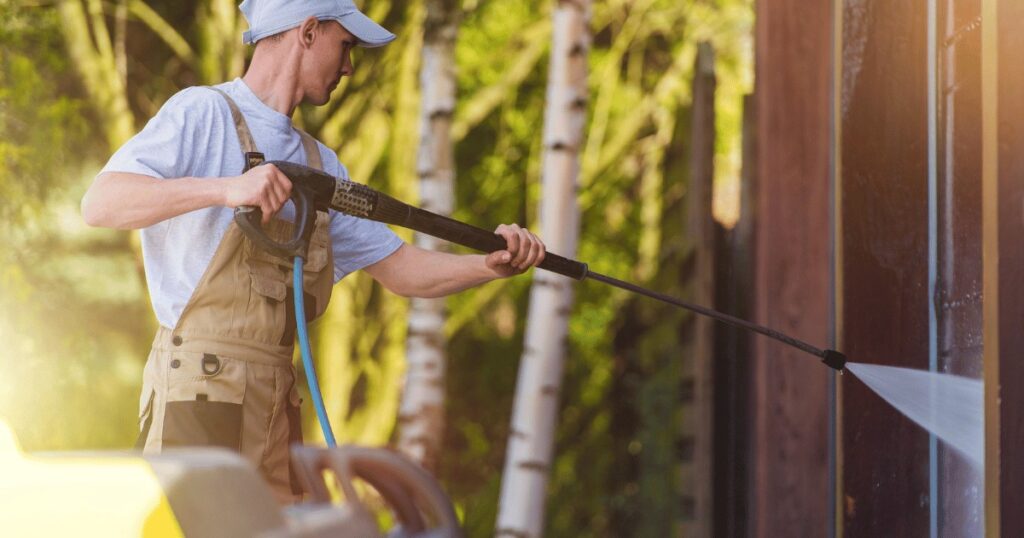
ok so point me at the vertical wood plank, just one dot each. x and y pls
(789, 441)
(1003, 199)
(701, 231)
(734, 286)
(885, 207)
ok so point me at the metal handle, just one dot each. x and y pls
(418, 501)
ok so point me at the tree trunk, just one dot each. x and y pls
(531, 438)
(93, 55)
(421, 415)
(221, 51)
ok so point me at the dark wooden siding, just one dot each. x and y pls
(1004, 399)
(884, 197)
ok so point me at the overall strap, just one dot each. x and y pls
(253, 157)
(312, 150)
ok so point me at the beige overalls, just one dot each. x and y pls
(224, 376)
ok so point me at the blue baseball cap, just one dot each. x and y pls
(269, 17)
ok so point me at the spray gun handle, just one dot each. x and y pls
(250, 219)
(361, 201)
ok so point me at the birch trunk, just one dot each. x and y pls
(532, 435)
(421, 414)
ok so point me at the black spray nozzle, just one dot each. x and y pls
(834, 359)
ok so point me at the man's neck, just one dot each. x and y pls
(274, 80)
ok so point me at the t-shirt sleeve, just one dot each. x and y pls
(170, 145)
(357, 242)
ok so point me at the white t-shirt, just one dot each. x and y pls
(193, 135)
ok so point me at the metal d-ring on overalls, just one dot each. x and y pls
(224, 376)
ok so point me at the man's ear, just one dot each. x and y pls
(308, 31)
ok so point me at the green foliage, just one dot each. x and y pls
(65, 306)
(641, 64)
(42, 126)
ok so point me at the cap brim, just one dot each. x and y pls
(369, 33)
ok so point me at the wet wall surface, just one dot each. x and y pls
(909, 175)
(891, 481)
(884, 464)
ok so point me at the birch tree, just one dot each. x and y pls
(531, 437)
(421, 414)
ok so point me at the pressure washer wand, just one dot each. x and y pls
(830, 357)
(361, 201)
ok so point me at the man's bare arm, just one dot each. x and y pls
(130, 201)
(414, 272)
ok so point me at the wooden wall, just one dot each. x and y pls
(879, 123)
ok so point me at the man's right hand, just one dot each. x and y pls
(262, 186)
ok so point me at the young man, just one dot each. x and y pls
(220, 370)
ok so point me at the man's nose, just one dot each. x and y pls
(347, 68)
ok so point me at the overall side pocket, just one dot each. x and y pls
(204, 403)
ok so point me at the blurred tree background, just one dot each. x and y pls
(78, 77)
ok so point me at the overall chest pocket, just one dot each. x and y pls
(204, 400)
(270, 313)
(271, 275)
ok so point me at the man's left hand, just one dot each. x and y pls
(524, 250)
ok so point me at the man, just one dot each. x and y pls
(220, 370)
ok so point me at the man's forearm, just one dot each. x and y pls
(454, 273)
(132, 201)
(129, 201)
(415, 272)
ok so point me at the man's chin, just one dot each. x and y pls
(319, 100)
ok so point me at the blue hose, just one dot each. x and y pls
(307, 355)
